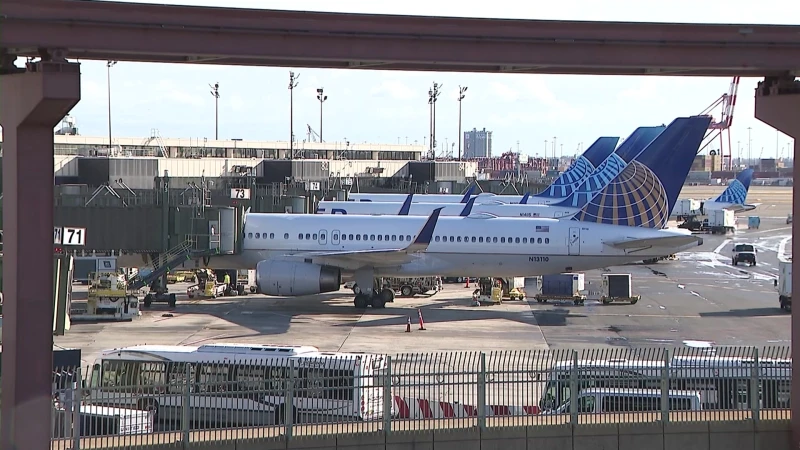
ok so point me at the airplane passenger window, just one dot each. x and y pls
(385, 237)
(300, 236)
(258, 235)
(350, 237)
(371, 237)
(250, 235)
(408, 237)
(494, 239)
(480, 239)
(539, 241)
(322, 236)
(308, 236)
(436, 239)
(502, 240)
(272, 235)
(365, 237)
(286, 235)
(380, 237)
(516, 240)
(466, 238)
(546, 240)
(524, 240)
(315, 236)
(452, 239)
(473, 238)
(509, 240)
(458, 239)
(335, 236)
(394, 237)
(400, 237)
(358, 237)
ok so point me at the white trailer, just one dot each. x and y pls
(784, 284)
(721, 221)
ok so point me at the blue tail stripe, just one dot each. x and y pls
(583, 166)
(736, 193)
(645, 192)
(468, 194)
(406, 205)
(468, 207)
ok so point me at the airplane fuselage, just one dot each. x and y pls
(450, 209)
(479, 246)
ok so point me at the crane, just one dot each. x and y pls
(727, 103)
(312, 135)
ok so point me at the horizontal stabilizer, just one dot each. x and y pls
(666, 241)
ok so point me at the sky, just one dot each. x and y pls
(523, 111)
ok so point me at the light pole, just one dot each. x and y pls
(433, 95)
(293, 81)
(215, 93)
(321, 99)
(461, 92)
(749, 146)
(109, 65)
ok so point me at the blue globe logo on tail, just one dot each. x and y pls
(736, 193)
(635, 198)
(568, 180)
(608, 170)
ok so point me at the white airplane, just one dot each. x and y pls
(577, 172)
(734, 196)
(298, 254)
(672, 142)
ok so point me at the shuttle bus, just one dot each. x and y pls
(240, 384)
(723, 382)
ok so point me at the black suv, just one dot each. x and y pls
(744, 253)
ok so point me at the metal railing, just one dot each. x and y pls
(167, 402)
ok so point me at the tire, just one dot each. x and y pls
(605, 300)
(172, 300)
(361, 301)
(240, 289)
(406, 291)
(388, 295)
(634, 301)
(734, 262)
(378, 301)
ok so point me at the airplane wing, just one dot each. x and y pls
(355, 259)
(670, 241)
(742, 208)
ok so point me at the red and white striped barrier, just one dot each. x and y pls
(420, 408)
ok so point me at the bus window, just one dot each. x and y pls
(94, 377)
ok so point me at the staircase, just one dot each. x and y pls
(165, 262)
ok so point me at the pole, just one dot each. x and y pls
(293, 81)
(109, 64)
(215, 93)
(459, 128)
(320, 121)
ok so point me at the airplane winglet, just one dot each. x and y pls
(524, 199)
(468, 208)
(467, 194)
(425, 235)
(406, 205)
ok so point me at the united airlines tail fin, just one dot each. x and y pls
(406, 205)
(612, 166)
(581, 169)
(525, 198)
(468, 207)
(468, 194)
(647, 189)
(736, 192)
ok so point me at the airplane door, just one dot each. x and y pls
(574, 241)
(335, 237)
(323, 237)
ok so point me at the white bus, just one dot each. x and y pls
(240, 384)
(723, 382)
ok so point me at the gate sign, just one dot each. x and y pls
(74, 236)
(240, 194)
(58, 235)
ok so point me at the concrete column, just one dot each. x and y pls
(778, 105)
(31, 104)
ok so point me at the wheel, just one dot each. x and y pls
(388, 295)
(605, 300)
(148, 300)
(754, 262)
(734, 262)
(361, 301)
(634, 301)
(378, 301)
(149, 405)
(172, 300)
(240, 289)
(406, 291)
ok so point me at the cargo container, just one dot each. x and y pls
(563, 286)
(617, 287)
(686, 207)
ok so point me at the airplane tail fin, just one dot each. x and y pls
(582, 168)
(647, 189)
(468, 207)
(611, 167)
(525, 198)
(468, 194)
(736, 192)
(406, 205)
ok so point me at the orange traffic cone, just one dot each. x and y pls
(408, 325)
(421, 322)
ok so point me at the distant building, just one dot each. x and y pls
(477, 144)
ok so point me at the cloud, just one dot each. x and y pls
(393, 89)
(504, 92)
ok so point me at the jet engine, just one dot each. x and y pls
(285, 278)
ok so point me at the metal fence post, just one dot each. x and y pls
(573, 389)
(185, 405)
(388, 400)
(755, 392)
(482, 392)
(288, 403)
(665, 388)
(77, 398)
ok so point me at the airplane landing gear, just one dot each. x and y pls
(377, 300)
(361, 301)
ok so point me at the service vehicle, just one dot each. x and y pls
(240, 384)
(617, 400)
(744, 253)
(784, 284)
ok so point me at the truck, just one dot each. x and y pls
(721, 221)
(563, 286)
(744, 253)
(686, 208)
(784, 284)
(85, 265)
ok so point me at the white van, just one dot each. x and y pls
(612, 400)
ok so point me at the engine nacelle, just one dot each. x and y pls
(285, 278)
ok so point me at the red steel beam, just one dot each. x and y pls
(183, 34)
